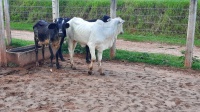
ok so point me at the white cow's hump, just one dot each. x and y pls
(79, 22)
(76, 21)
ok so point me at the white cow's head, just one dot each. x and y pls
(120, 25)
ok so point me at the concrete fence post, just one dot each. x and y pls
(190, 33)
(55, 9)
(3, 59)
(7, 19)
(113, 8)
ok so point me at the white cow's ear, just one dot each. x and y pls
(109, 19)
(121, 21)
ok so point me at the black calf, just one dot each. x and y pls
(62, 25)
(47, 34)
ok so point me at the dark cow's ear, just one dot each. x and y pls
(67, 25)
(52, 26)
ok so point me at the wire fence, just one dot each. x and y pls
(153, 20)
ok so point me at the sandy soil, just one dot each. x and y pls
(126, 87)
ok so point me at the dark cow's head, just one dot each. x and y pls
(52, 26)
(54, 31)
(105, 18)
(62, 25)
(54, 35)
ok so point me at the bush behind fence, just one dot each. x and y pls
(167, 17)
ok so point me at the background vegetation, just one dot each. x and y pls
(146, 17)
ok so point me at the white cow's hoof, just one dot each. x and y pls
(90, 72)
(73, 67)
(102, 74)
(37, 64)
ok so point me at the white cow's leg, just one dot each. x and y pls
(100, 53)
(71, 47)
(93, 58)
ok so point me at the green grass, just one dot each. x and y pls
(21, 26)
(152, 59)
(20, 43)
(149, 58)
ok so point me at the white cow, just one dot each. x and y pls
(97, 35)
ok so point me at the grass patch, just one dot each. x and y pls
(21, 26)
(20, 43)
(152, 59)
(149, 58)
(196, 64)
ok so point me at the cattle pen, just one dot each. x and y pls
(149, 71)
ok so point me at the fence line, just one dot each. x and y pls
(141, 19)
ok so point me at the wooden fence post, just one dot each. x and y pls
(55, 9)
(190, 33)
(113, 8)
(7, 19)
(3, 59)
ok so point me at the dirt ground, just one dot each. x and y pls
(126, 87)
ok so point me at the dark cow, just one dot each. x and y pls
(47, 34)
(61, 24)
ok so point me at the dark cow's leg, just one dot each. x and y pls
(57, 62)
(60, 49)
(43, 53)
(88, 55)
(52, 55)
(36, 51)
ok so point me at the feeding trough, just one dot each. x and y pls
(25, 55)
